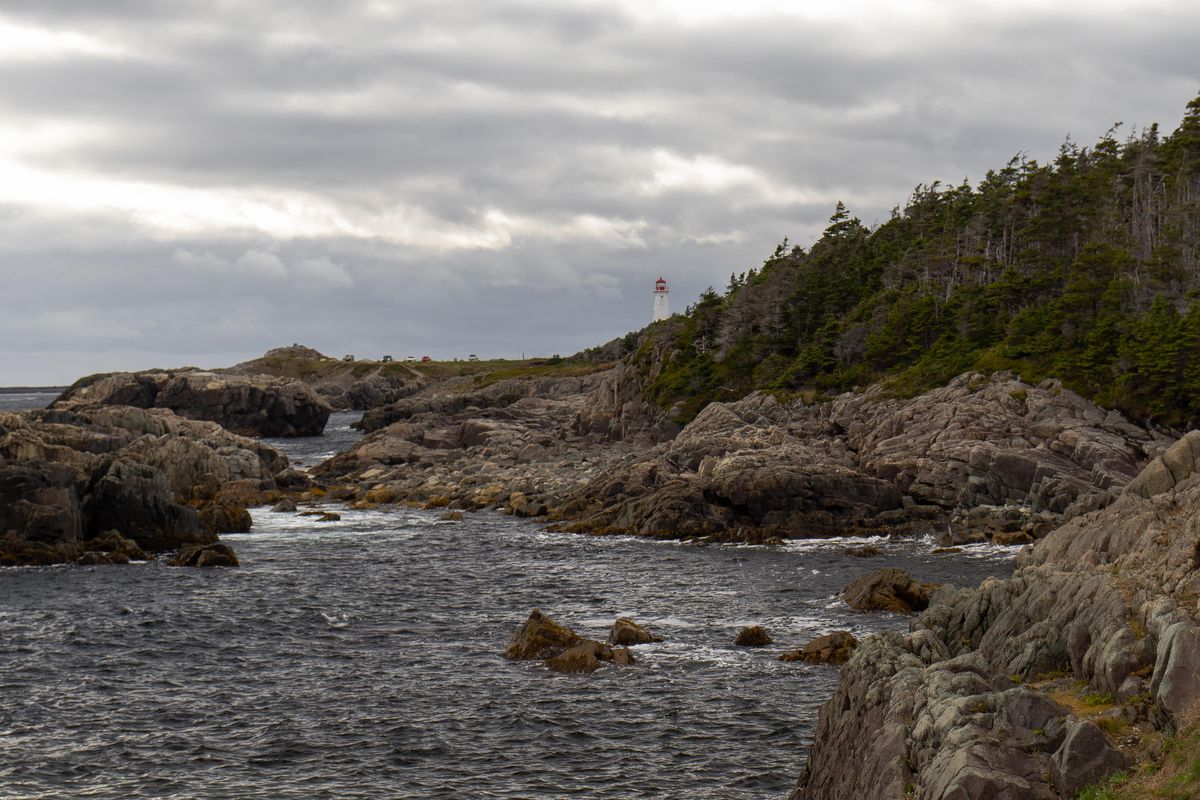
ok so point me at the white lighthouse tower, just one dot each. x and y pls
(661, 309)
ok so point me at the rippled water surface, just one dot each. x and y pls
(21, 401)
(363, 659)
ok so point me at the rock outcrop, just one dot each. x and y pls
(215, 554)
(342, 384)
(539, 637)
(626, 632)
(560, 648)
(253, 405)
(70, 478)
(507, 445)
(976, 700)
(982, 457)
(455, 395)
(753, 636)
(832, 648)
(618, 409)
(997, 442)
(888, 589)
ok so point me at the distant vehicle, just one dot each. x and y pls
(426, 359)
(411, 359)
(347, 357)
(386, 359)
(472, 357)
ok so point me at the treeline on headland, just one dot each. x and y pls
(1086, 269)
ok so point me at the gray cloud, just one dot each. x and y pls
(195, 184)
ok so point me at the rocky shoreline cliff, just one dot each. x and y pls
(252, 405)
(70, 477)
(1079, 666)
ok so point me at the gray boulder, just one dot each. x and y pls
(1084, 758)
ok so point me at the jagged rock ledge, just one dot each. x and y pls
(117, 480)
(981, 458)
(1035, 686)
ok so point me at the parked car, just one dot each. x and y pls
(426, 359)
(386, 359)
(472, 357)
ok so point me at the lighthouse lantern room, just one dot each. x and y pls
(661, 309)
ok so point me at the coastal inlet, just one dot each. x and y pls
(363, 658)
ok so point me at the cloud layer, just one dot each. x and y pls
(196, 182)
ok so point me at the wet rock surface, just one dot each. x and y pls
(215, 554)
(832, 648)
(753, 636)
(542, 639)
(888, 589)
(626, 632)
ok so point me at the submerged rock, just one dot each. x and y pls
(588, 656)
(217, 554)
(113, 543)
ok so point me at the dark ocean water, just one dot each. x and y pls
(22, 401)
(363, 659)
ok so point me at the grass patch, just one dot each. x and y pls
(1174, 775)
(1082, 704)
(485, 371)
(1109, 790)
(541, 368)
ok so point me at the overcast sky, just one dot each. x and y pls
(196, 182)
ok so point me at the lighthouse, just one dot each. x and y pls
(661, 309)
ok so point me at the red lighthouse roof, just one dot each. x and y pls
(660, 285)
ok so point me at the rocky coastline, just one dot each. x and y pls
(983, 458)
(973, 702)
